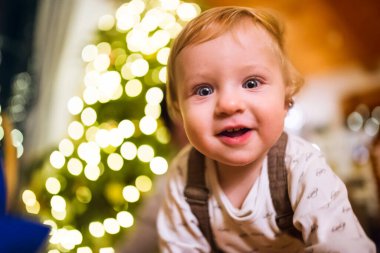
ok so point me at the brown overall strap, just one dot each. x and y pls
(278, 184)
(197, 195)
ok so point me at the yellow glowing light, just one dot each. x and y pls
(89, 152)
(89, 53)
(29, 198)
(145, 153)
(126, 72)
(154, 96)
(162, 75)
(127, 128)
(108, 85)
(74, 166)
(106, 22)
(113, 192)
(106, 250)
(125, 219)
(120, 59)
(17, 137)
(53, 185)
(115, 161)
(54, 238)
(127, 21)
(91, 79)
(75, 130)
(90, 95)
(102, 138)
(116, 137)
(66, 147)
(75, 105)
(133, 88)
(91, 133)
(102, 62)
(163, 135)
(134, 9)
(170, 5)
(153, 111)
(137, 6)
(148, 125)
(139, 67)
(19, 151)
(161, 38)
(149, 22)
(111, 226)
(68, 239)
(163, 55)
(57, 160)
(92, 172)
(159, 165)
(149, 47)
(167, 20)
(118, 92)
(143, 183)
(136, 38)
(54, 251)
(187, 11)
(88, 116)
(96, 229)
(84, 250)
(58, 215)
(83, 194)
(75, 236)
(104, 48)
(34, 209)
(58, 203)
(131, 193)
(174, 30)
(133, 57)
(128, 150)
(52, 224)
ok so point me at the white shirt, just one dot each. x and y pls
(319, 199)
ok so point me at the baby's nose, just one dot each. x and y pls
(229, 102)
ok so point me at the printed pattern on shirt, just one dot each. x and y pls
(319, 199)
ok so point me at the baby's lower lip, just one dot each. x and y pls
(235, 137)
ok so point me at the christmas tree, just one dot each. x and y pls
(89, 187)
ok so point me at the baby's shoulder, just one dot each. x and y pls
(302, 155)
(299, 147)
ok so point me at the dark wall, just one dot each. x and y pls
(17, 18)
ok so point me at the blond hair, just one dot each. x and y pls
(214, 22)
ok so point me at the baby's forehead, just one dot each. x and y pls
(217, 29)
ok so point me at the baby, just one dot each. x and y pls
(231, 85)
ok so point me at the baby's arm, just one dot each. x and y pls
(322, 208)
(177, 226)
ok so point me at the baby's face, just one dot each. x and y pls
(231, 95)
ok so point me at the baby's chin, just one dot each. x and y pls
(236, 161)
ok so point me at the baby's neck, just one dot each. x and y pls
(236, 182)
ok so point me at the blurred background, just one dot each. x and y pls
(84, 131)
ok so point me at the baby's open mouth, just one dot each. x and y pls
(234, 132)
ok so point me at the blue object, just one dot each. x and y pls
(3, 191)
(18, 235)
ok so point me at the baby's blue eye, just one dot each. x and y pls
(204, 91)
(251, 83)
